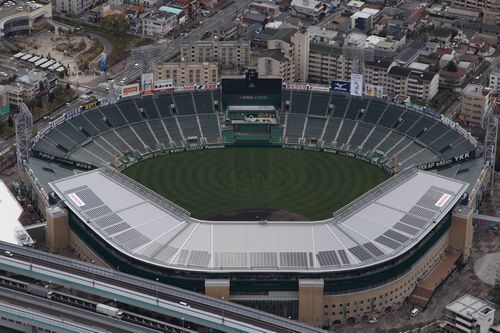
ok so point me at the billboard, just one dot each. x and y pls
(343, 86)
(104, 62)
(163, 85)
(147, 83)
(130, 90)
(374, 91)
(356, 84)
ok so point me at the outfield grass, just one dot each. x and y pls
(211, 182)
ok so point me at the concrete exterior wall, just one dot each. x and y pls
(57, 232)
(461, 231)
(311, 301)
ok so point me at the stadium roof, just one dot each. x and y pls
(12, 230)
(382, 224)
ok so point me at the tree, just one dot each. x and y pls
(451, 67)
(116, 23)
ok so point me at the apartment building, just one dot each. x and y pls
(420, 85)
(183, 73)
(476, 102)
(225, 53)
(495, 80)
(272, 63)
(489, 8)
(158, 23)
(72, 7)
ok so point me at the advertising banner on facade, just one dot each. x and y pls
(374, 91)
(163, 85)
(147, 81)
(131, 90)
(356, 84)
(343, 86)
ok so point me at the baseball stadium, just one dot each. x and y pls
(292, 198)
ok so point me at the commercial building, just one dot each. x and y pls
(476, 102)
(469, 314)
(182, 73)
(225, 53)
(158, 23)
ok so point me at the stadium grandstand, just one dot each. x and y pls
(365, 259)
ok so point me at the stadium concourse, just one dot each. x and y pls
(365, 259)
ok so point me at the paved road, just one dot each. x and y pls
(214, 22)
(108, 48)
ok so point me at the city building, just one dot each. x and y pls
(158, 23)
(421, 85)
(310, 9)
(273, 63)
(225, 53)
(489, 8)
(363, 20)
(73, 7)
(476, 102)
(182, 73)
(495, 80)
(265, 8)
(469, 314)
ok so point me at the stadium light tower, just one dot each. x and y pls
(24, 126)
(147, 55)
(490, 145)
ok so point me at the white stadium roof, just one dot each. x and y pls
(12, 231)
(381, 225)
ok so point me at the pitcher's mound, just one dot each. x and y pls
(253, 214)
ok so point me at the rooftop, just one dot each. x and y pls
(12, 230)
(476, 90)
(381, 225)
(469, 306)
(284, 34)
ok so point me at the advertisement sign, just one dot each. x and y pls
(318, 87)
(163, 85)
(130, 90)
(147, 83)
(185, 88)
(356, 84)
(448, 161)
(104, 62)
(294, 86)
(374, 91)
(343, 86)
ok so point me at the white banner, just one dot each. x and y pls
(356, 84)
(131, 90)
(373, 90)
(163, 85)
(147, 83)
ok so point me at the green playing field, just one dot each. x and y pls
(211, 182)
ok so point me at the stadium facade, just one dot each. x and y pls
(366, 259)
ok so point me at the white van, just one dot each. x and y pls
(414, 312)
